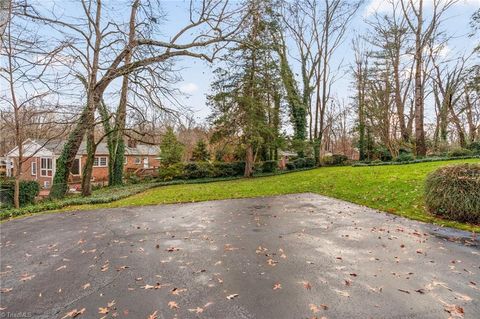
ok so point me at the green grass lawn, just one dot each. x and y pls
(397, 189)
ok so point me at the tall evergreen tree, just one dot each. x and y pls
(245, 95)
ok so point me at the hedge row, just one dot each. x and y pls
(196, 170)
(414, 161)
(29, 190)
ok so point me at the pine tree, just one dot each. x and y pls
(171, 150)
(200, 152)
(245, 97)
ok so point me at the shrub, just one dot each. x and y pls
(309, 162)
(457, 152)
(300, 162)
(404, 157)
(269, 166)
(334, 160)
(474, 147)
(454, 192)
(194, 170)
(170, 172)
(28, 191)
(291, 166)
(222, 169)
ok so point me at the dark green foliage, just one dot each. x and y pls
(196, 170)
(300, 162)
(382, 153)
(269, 166)
(170, 172)
(28, 191)
(460, 152)
(414, 161)
(454, 192)
(291, 166)
(200, 152)
(404, 157)
(335, 160)
(309, 162)
(117, 167)
(474, 147)
(171, 150)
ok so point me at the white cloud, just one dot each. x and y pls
(378, 6)
(189, 88)
(385, 6)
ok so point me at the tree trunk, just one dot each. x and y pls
(66, 159)
(88, 168)
(249, 161)
(398, 101)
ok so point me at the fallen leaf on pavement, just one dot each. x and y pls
(74, 313)
(196, 310)
(173, 305)
(454, 310)
(230, 297)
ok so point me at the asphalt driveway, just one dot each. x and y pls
(294, 256)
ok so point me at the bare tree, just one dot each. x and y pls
(423, 31)
(102, 54)
(27, 62)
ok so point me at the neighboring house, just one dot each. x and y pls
(42, 155)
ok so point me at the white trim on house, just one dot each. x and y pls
(47, 168)
(97, 161)
(33, 167)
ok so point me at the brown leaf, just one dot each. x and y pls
(271, 262)
(306, 285)
(454, 310)
(173, 305)
(277, 286)
(153, 315)
(74, 313)
(26, 277)
(196, 310)
(177, 291)
(87, 285)
(103, 311)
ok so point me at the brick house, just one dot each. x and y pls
(42, 155)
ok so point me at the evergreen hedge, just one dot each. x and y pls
(454, 192)
(28, 191)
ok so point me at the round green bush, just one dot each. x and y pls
(269, 166)
(454, 192)
(457, 152)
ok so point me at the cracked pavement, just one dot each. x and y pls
(292, 256)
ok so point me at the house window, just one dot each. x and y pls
(138, 160)
(125, 160)
(46, 184)
(100, 161)
(46, 166)
(75, 170)
(34, 167)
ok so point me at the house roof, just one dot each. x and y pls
(56, 147)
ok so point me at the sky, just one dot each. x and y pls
(197, 75)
